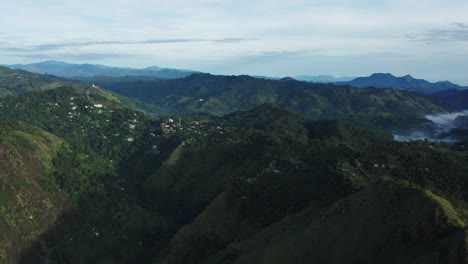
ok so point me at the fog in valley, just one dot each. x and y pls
(440, 125)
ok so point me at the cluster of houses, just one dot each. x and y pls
(193, 130)
(97, 108)
(171, 127)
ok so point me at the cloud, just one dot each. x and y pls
(460, 25)
(233, 40)
(268, 37)
(309, 55)
(456, 32)
(446, 120)
(271, 56)
(57, 46)
(441, 124)
(74, 57)
(184, 40)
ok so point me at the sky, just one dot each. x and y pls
(427, 39)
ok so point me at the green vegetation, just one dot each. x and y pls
(219, 95)
(84, 179)
(16, 82)
(357, 229)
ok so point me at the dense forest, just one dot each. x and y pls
(86, 179)
(389, 110)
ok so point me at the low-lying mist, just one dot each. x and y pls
(440, 125)
(446, 121)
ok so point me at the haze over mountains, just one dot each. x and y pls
(63, 69)
(379, 80)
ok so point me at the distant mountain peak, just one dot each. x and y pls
(153, 68)
(408, 76)
(407, 82)
(380, 74)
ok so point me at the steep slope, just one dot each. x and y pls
(70, 176)
(64, 69)
(386, 80)
(384, 223)
(27, 209)
(321, 163)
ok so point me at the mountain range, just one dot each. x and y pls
(220, 95)
(63, 69)
(378, 80)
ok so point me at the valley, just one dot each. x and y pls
(233, 132)
(260, 171)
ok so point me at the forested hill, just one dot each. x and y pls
(221, 95)
(86, 180)
(16, 82)
(19, 81)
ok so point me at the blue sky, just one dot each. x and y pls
(427, 39)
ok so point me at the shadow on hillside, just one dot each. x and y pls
(116, 225)
(133, 235)
(54, 239)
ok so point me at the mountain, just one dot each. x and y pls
(220, 95)
(85, 179)
(322, 78)
(386, 80)
(68, 70)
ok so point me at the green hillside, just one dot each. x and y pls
(225, 94)
(386, 109)
(295, 169)
(17, 81)
(45, 175)
(358, 229)
(85, 179)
